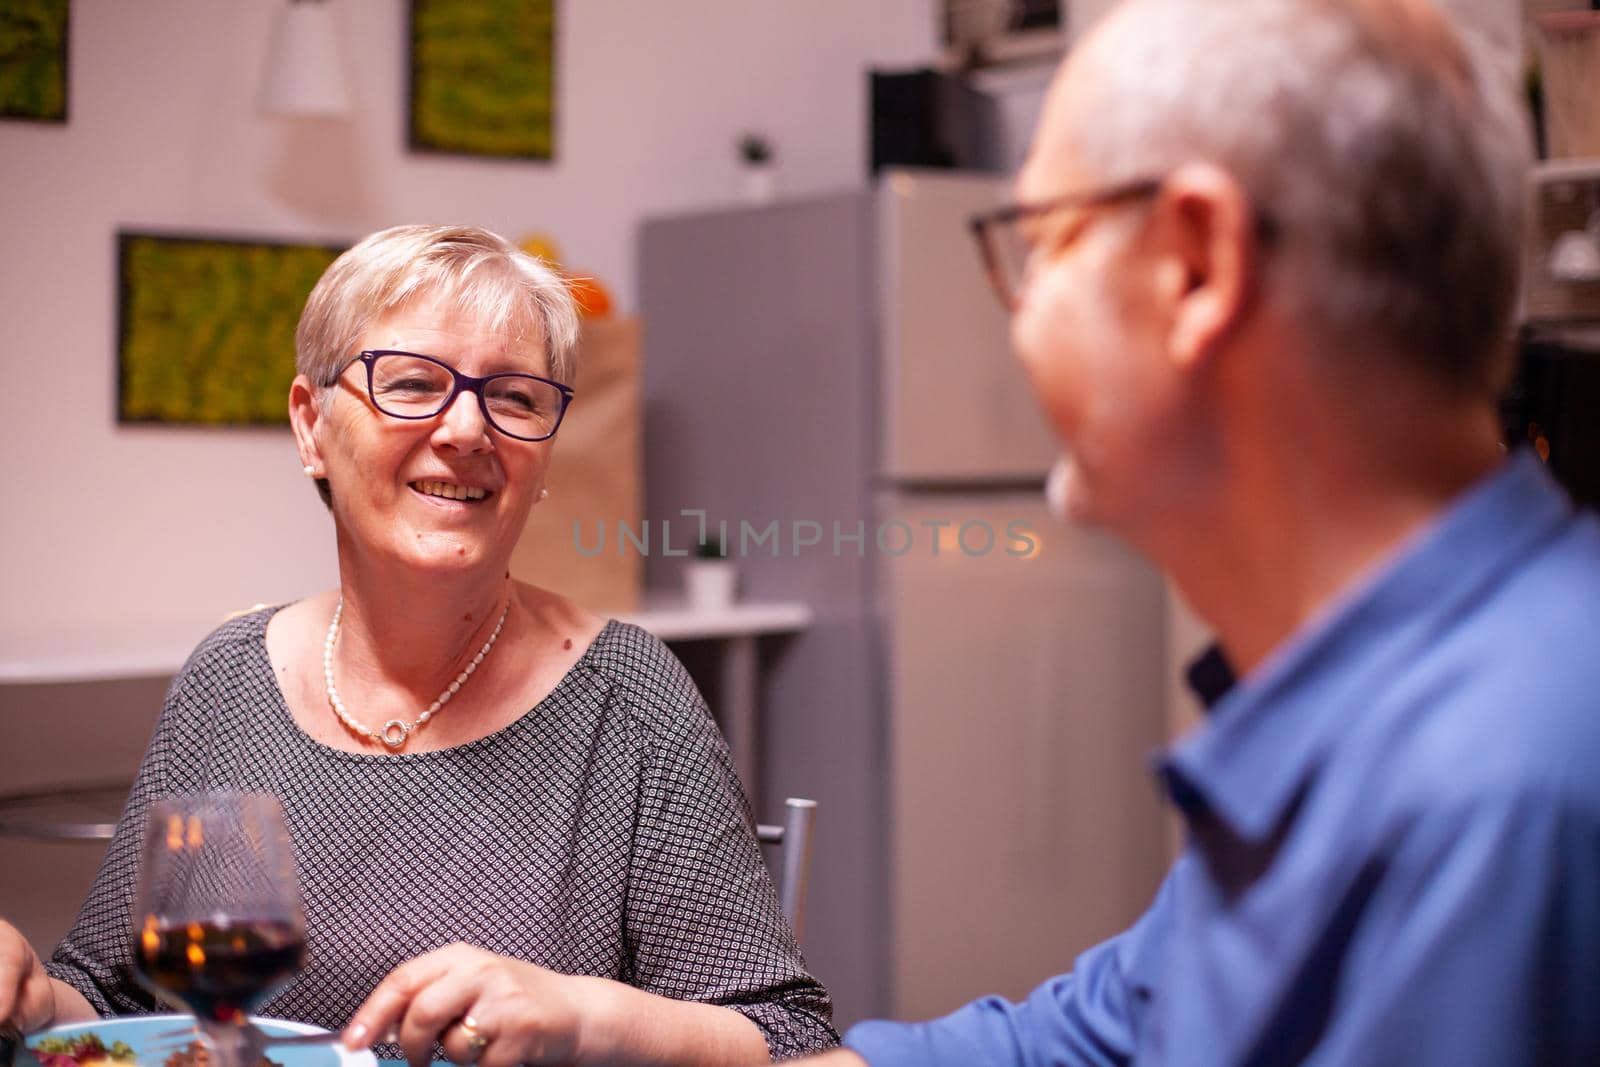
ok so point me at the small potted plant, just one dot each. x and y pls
(758, 165)
(711, 579)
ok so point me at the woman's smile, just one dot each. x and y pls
(451, 491)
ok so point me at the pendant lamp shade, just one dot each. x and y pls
(304, 76)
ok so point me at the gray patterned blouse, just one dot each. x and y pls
(603, 833)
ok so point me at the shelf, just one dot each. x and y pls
(159, 651)
(669, 617)
(1578, 338)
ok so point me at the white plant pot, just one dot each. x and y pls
(711, 583)
(759, 183)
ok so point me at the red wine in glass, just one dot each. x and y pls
(220, 968)
(218, 923)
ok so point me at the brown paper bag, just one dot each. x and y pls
(1570, 51)
(594, 479)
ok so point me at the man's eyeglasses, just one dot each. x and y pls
(1007, 237)
(405, 385)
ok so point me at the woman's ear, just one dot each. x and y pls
(305, 415)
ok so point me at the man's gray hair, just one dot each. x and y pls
(1387, 151)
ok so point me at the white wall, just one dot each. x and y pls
(112, 532)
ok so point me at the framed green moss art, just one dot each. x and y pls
(483, 77)
(205, 327)
(33, 60)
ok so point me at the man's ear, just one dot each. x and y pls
(1212, 257)
(304, 416)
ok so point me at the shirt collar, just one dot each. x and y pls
(1267, 733)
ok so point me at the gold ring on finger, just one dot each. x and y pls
(476, 1042)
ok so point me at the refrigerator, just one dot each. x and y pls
(976, 700)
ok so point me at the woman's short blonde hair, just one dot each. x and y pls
(471, 270)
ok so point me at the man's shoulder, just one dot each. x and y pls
(1530, 641)
(1562, 573)
(1507, 699)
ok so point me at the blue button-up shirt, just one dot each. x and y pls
(1393, 834)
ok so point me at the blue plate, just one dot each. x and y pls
(142, 1034)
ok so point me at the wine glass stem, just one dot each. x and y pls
(229, 1044)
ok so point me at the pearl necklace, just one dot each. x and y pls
(396, 731)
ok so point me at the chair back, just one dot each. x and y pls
(794, 871)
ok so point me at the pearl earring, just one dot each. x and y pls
(544, 494)
(311, 472)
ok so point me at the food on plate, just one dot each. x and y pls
(89, 1050)
(80, 1050)
(195, 1054)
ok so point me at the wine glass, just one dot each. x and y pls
(217, 921)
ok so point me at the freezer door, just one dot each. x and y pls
(1026, 695)
(955, 404)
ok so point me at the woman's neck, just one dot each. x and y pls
(415, 632)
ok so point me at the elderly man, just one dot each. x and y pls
(1261, 275)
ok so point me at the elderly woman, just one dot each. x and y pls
(518, 832)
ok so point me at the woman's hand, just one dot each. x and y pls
(27, 996)
(481, 1007)
(499, 1012)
